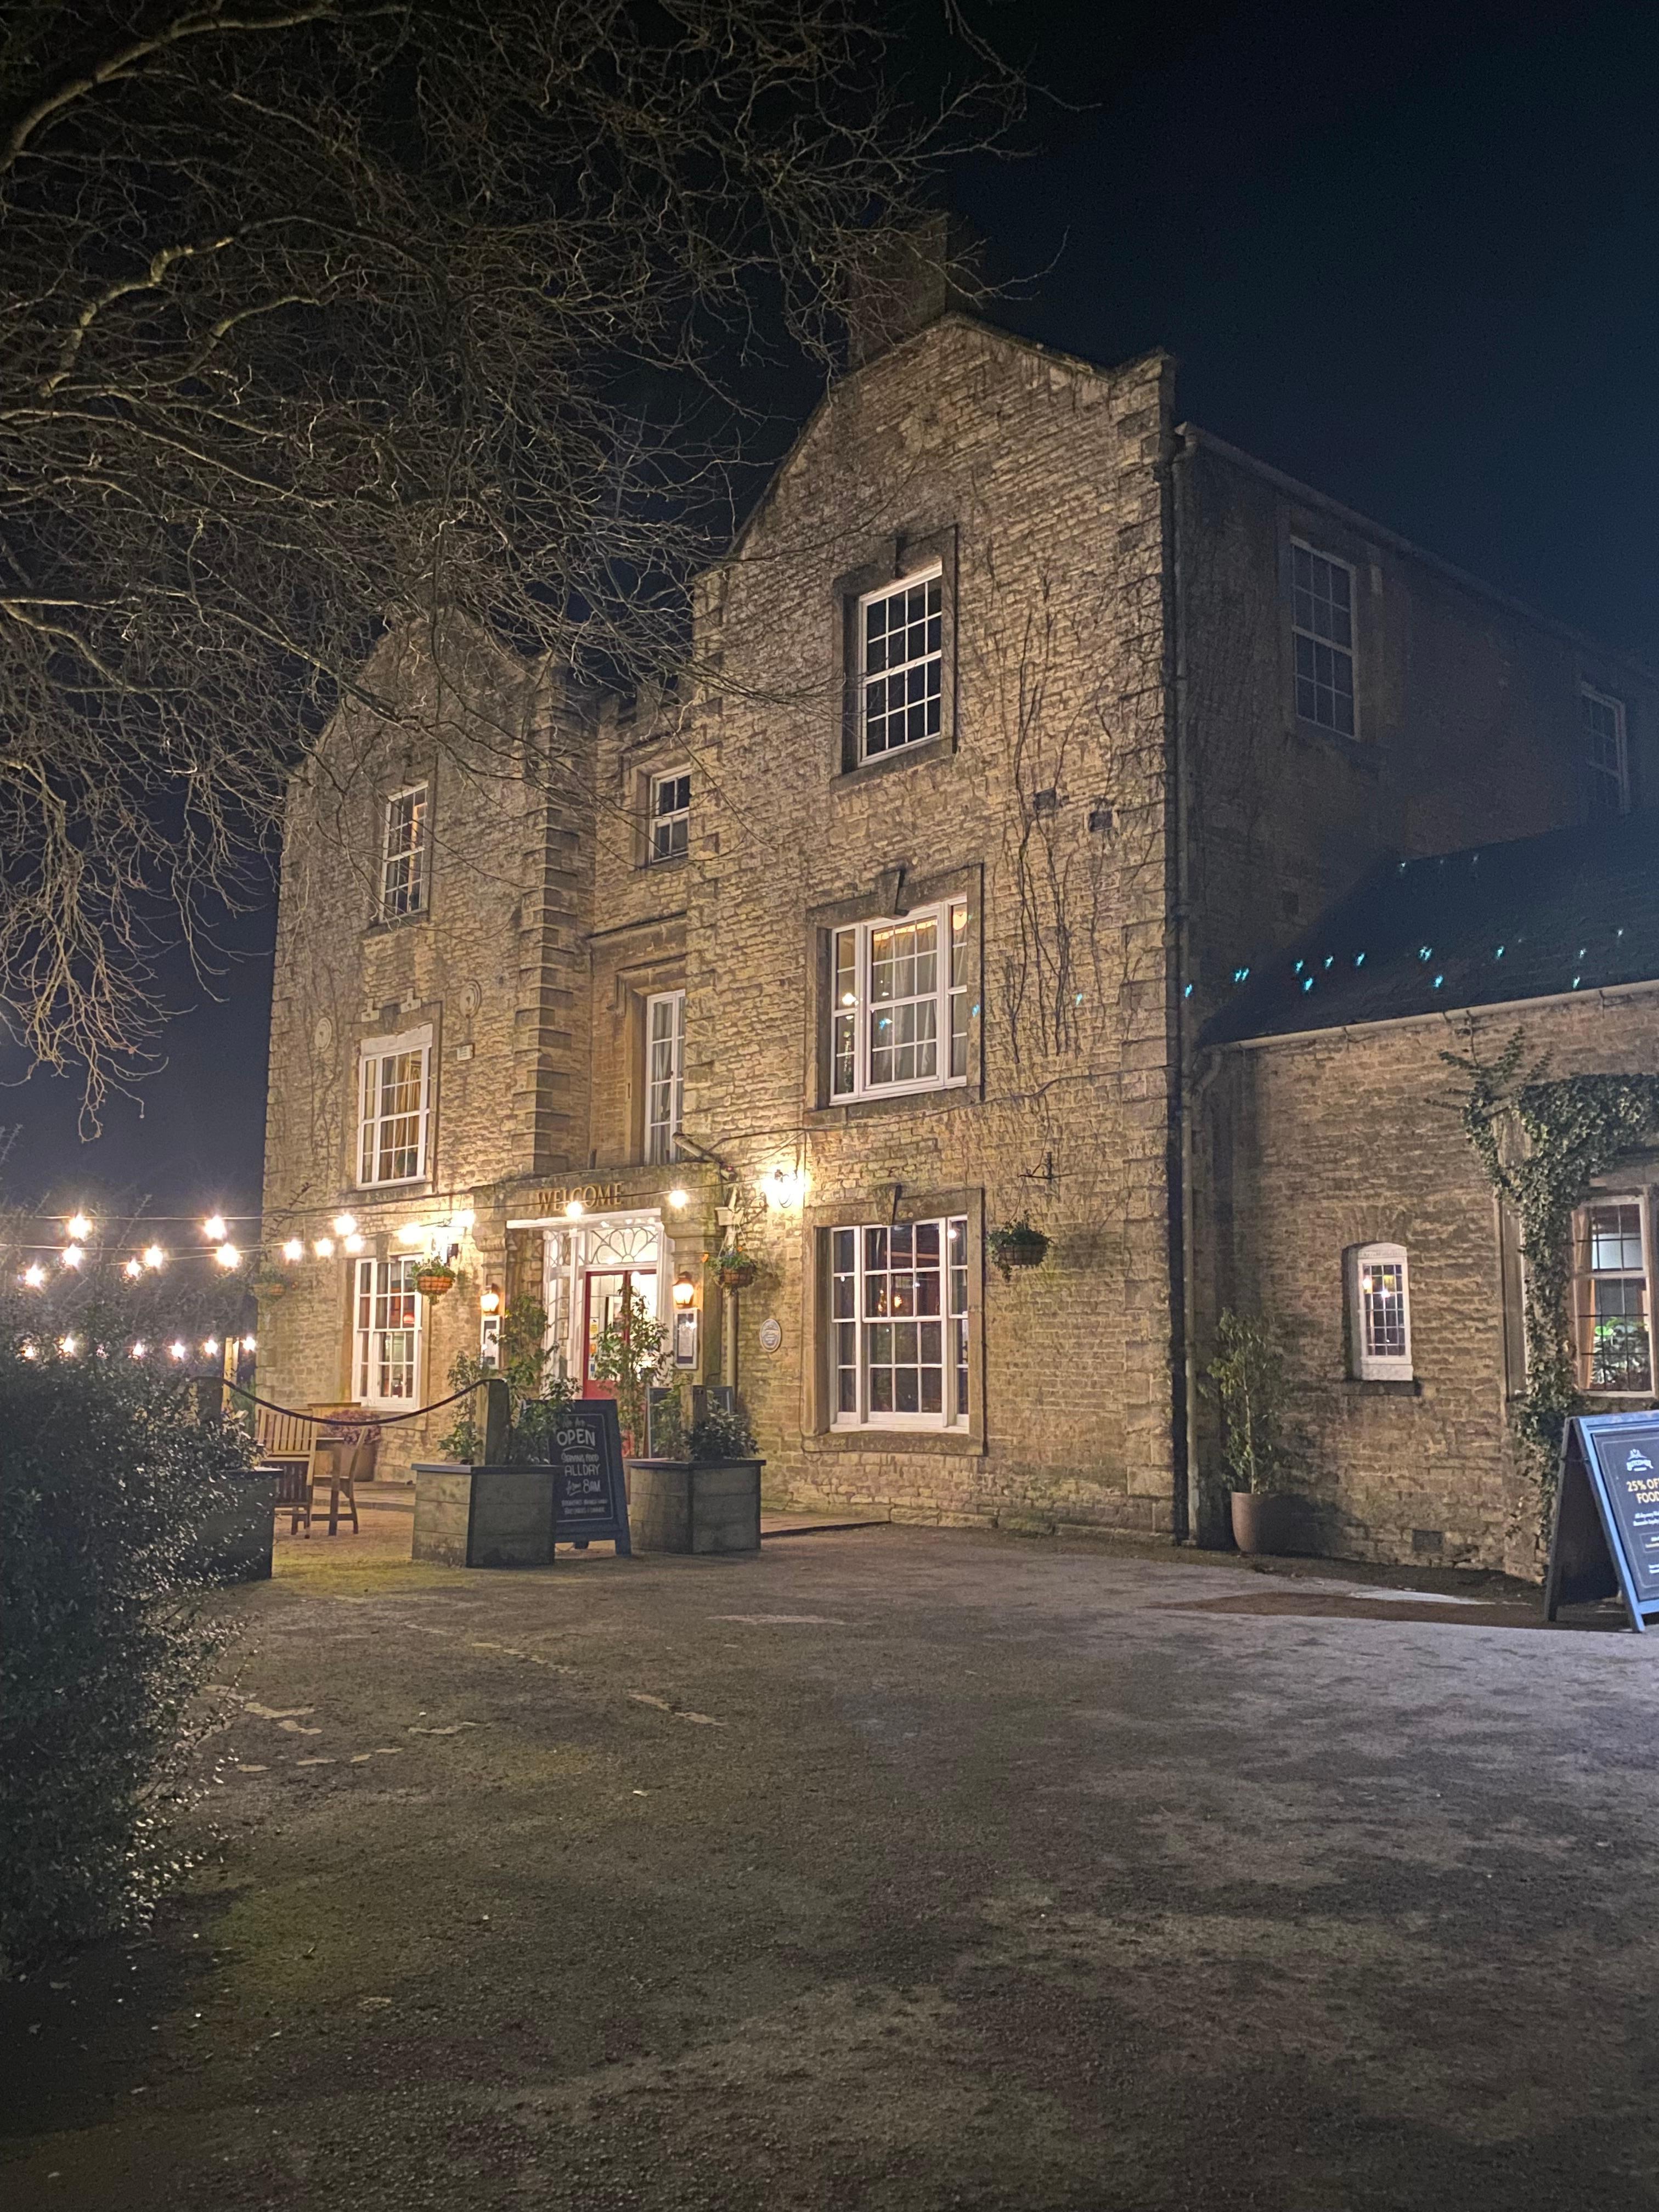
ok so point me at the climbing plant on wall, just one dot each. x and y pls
(1573, 1128)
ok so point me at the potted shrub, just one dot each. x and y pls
(269, 1286)
(1017, 1244)
(707, 1501)
(732, 1268)
(1247, 1375)
(630, 1354)
(435, 1278)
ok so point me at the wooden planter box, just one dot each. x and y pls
(236, 1539)
(483, 1516)
(688, 1505)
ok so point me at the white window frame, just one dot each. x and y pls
(956, 1290)
(368, 1340)
(867, 675)
(852, 1008)
(372, 1053)
(1600, 775)
(1330, 644)
(1366, 1363)
(664, 1084)
(656, 821)
(1584, 1274)
(417, 855)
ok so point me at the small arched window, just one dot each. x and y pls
(1379, 1313)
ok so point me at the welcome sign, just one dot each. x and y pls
(1605, 1538)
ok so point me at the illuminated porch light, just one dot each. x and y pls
(154, 1256)
(575, 1210)
(213, 1229)
(685, 1290)
(294, 1249)
(345, 1223)
(489, 1300)
(78, 1227)
(461, 1222)
(228, 1256)
(679, 1199)
(784, 1186)
(413, 1232)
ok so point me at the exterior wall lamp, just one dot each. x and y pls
(489, 1325)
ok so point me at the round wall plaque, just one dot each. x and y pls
(771, 1335)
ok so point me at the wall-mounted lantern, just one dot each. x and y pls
(489, 1325)
(685, 1322)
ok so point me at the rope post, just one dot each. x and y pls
(498, 1420)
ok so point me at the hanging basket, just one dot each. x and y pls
(1017, 1244)
(734, 1270)
(434, 1282)
(268, 1288)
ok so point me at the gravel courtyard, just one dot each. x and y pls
(899, 1867)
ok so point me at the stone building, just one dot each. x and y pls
(1028, 726)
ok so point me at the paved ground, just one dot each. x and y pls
(900, 1868)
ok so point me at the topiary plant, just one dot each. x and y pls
(721, 1434)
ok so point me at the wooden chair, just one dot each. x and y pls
(337, 1461)
(294, 1490)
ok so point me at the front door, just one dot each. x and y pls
(605, 1294)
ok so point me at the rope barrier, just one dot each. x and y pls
(365, 1417)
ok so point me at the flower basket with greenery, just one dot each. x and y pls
(732, 1268)
(1247, 1377)
(631, 1351)
(1016, 1244)
(269, 1285)
(435, 1278)
(721, 1435)
(537, 1391)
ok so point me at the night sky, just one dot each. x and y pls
(1406, 255)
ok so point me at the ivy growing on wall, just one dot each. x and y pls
(1573, 1128)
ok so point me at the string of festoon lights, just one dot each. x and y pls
(81, 1230)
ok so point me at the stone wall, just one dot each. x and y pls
(1309, 1146)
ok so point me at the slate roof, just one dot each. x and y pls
(1573, 910)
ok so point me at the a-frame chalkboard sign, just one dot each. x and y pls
(590, 1489)
(1604, 1541)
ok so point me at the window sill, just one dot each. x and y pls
(1361, 751)
(885, 1443)
(383, 928)
(939, 748)
(666, 866)
(844, 1111)
(1372, 1387)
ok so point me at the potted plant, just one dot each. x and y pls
(732, 1268)
(709, 1501)
(435, 1278)
(1017, 1244)
(269, 1286)
(1247, 1375)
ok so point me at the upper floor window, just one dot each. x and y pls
(898, 1325)
(1606, 754)
(1379, 1314)
(403, 862)
(393, 1107)
(1322, 600)
(386, 1336)
(899, 1017)
(664, 1073)
(1610, 1298)
(900, 663)
(671, 815)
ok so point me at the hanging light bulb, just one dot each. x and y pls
(213, 1229)
(354, 1244)
(679, 1199)
(294, 1249)
(73, 1255)
(179, 1350)
(413, 1232)
(31, 1350)
(133, 1269)
(228, 1256)
(248, 1344)
(154, 1256)
(78, 1228)
(345, 1223)
(138, 1349)
(210, 1347)
(575, 1210)
(323, 1248)
(35, 1274)
(68, 1345)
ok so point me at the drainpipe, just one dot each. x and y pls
(1178, 1149)
(1208, 1069)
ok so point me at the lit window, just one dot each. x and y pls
(403, 866)
(900, 665)
(664, 1073)
(671, 815)
(1379, 1313)
(899, 1021)
(386, 1367)
(898, 1322)
(1610, 1298)
(1607, 759)
(393, 1107)
(1323, 618)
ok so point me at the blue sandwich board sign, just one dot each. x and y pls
(590, 1490)
(1604, 1541)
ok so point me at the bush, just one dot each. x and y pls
(107, 1478)
(721, 1435)
(1247, 1375)
(538, 1393)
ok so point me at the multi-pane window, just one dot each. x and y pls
(900, 665)
(671, 815)
(898, 1322)
(664, 1072)
(393, 1107)
(1607, 759)
(403, 863)
(1379, 1313)
(1610, 1298)
(1322, 597)
(387, 1370)
(900, 1012)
